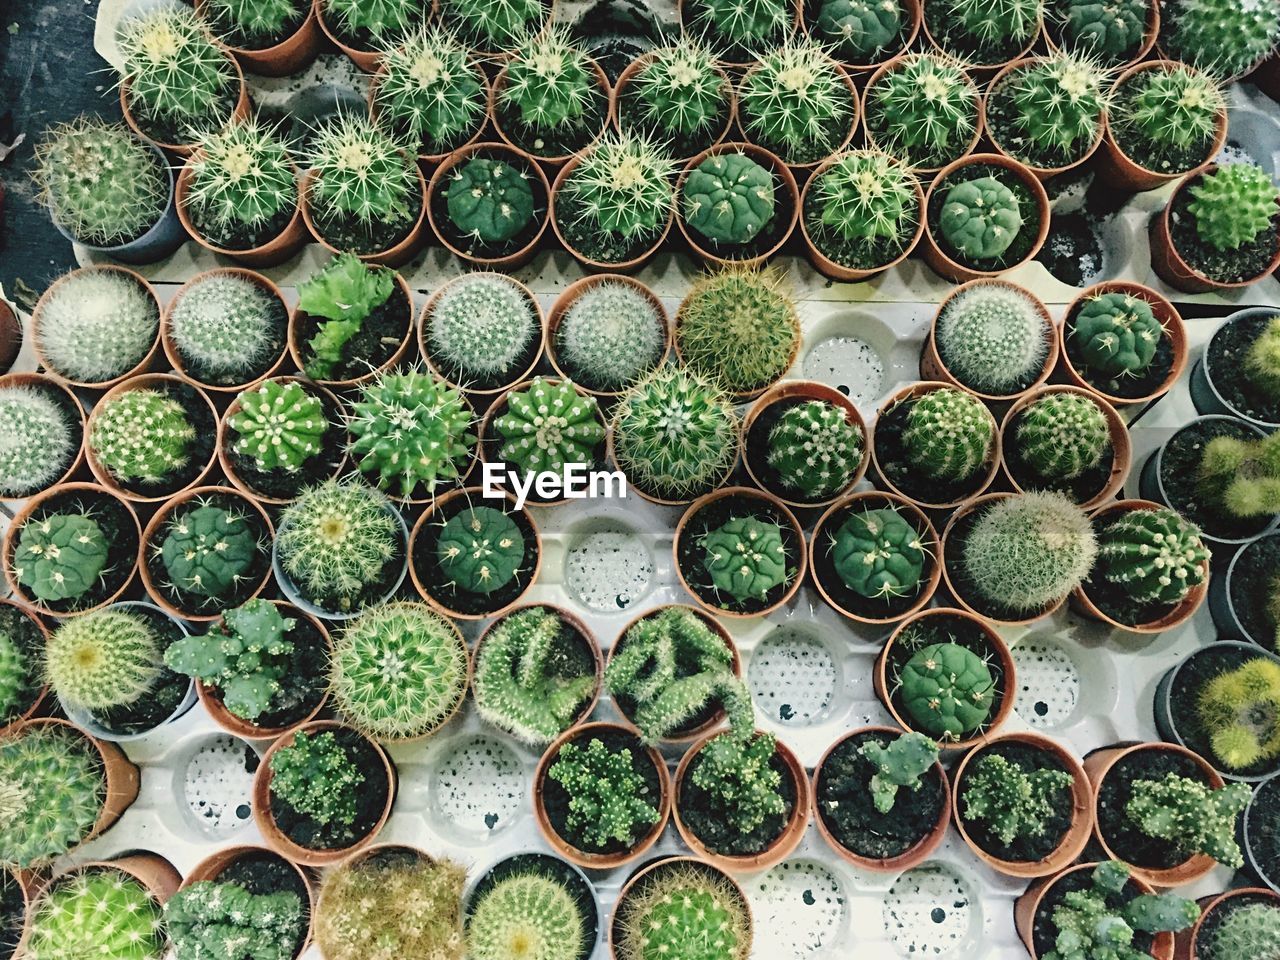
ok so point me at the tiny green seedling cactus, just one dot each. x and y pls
(607, 795)
(1117, 334)
(1248, 932)
(620, 187)
(345, 292)
(1240, 711)
(742, 786)
(1193, 817)
(224, 921)
(1154, 555)
(860, 31)
(430, 90)
(1262, 361)
(481, 326)
(1222, 37)
(900, 765)
(947, 690)
(1012, 802)
(795, 102)
(280, 426)
(814, 449)
(980, 219)
(494, 24)
(549, 425)
(37, 442)
(925, 109)
(745, 559)
(550, 85)
(242, 183)
(489, 200)
(376, 24)
(96, 325)
(1057, 103)
(1234, 205)
(678, 92)
(865, 199)
(993, 337)
(103, 659)
(209, 551)
(254, 24)
(481, 549)
(683, 910)
(737, 28)
(610, 336)
(1110, 30)
(1170, 108)
(61, 556)
(98, 912)
(142, 436)
(316, 777)
(227, 328)
(949, 435)
(878, 554)
(728, 198)
(1241, 478)
(1063, 435)
(530, 913)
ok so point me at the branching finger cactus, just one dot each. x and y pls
(993, 337)
(610, 336)
(96, 325)
(924, 109)
(60, 557)
(526, 912)
(742, 787)
(607, 796)
(678, 93)
(1056, 111)
(494, 24)
(1240, 711)
(242, 184)
(1011, 801)
(980, 218)
(745, 558)
(344, 293)
(37, 442)
(795, 102)
(481, 327)
(399, 671)
(1191, 816)
(104, 659)
(98, 912)
(949, 435)
(227, 328)
(489, 200)
(279, 425)
(1155, 555)
(1110, 30)
(431, 90)
(224, 921)
(362, 180)
(878, 554)
(865, 199)
(860, 31)
(1241, 478)
(1118, 334)
(947, 690)
(316, 776)
(1250, 932)
(254, 24)
(549, 84)
(377, 24)
(549, 425)
(142, 436)
(986, 32)
(1234, 205)
(1223, 37)
(209, 551)
(737, 29)
(1062, 435)
(684, 910)
(481, 550)
(814, 449)
(1167, 109)
(900, 765)
(621, 187)
(728, 198)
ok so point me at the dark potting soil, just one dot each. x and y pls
(305, 681)
(1180, 471)
(1119, 832)
(352, 236)
(1002, 126)
(279, 325)
(1114, 600)
(233, 35)
(238, 236)
(770, 235)
(1079, 489)
(370, 593)
(856, 256)
(555, 798)
(1129, 388)
(1227, 352)
(72, 415)
(1211, 921)
(689, 555)
(371, 800)
(891, 455)
(708, 818)
(1256, 574)
(959, 575)
(118, 531)
(592, 242)
(158, 704)
(1022, 849)
(552, 868)
(847, 810)
(265, 873)
(455, 374)
(12, 907)
(757, 450)
(1043, 931)
(26, 636)
(1073, 251)
(1263, 820)
(376, 342)
(631, 117)
(566, 138)
(167, 130)
(949, 33)
(1248, 263)
(473, 246)
(282, 485)
(448, 594)
(199, 447)
(1021, 246)
(811, 149)
(1158, 157)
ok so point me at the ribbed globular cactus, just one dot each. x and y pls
(526, 913)
(745, 558)
(1249, 932)
(993, 337)
(1223, 37)
(621, 187)
(494, 24)
(104, 659)
(37, 441)
(860, 31)
(96, 325)
(18, 671)
(1056, 105)
(142, 436)
(735, 29)
(865, 199)
(411, 431)
(986, 31)
(60, 556)
(489, 200)
(899, 765)
(431, 90)
(377, 24)
(1010, 800)
(1062, 435)
(1240, 711)
(610, 336)
(1234, 205)
(209, 551)
(1190, 815)
(947, 690)
(279, 425)
(481, 549)
(100, 912)
(1154, 555)
(728, 199)
(1241, 478)
(607, 796)
(1117, 334)
(548, 425)
(675, 434)
(253, 24)
(102, 184)
(362, 179)
(980, 218)
(949, 435)
(1110, 30)
(814, 449)
(224, 921)
(399, 671)
(1166, 109)
(521, 683)
(691, 911)
(481, 327)
(925, 109)
(795, 102)
(878, 554)
(242, 184)
(53, 790)
(677, 93)
(227, 328)
(549, 84)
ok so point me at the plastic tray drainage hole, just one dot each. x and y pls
(793, 676)
(478, 787)
(1048, 683)
(848, 364)
(799, 910)
(608, 567)
(218, 785)
(931, 911)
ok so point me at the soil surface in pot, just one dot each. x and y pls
(757, 447)
(847, 810)
(1022, 244)
(874, 608)
(1022, 849)
(199, 448)
(707, 819)
(1248, 263)
(1180, 468)
(1127, 388)
(1226, 358)
(770, 235)
(565, 138)
(1079, 489)
(347, 233)
(11, 915)
(376, 342)
(1120, 833)
(305, 682)
(1043, 932)
(168, 130)
(631, 117)
(1073, 250)
(471, 245)
(1257, 563)
(264, 873)
(449, 594)
(854, 254)
(28, 639)
(72, 417)
(891, 455)
(1263, 816)
(278, 323)
(1210, 922)
(552, 868)
(1115, 601)
(371, 800)
(239, 236)
(1165, 158)
(158, 704)
(281, 484)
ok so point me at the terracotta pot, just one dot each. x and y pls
(1163, 310)
(146, 381)
(786, 196)
(395, 255)
(914, 16)
(1117, 168)
(740, 396)
(12, 535)
(904, 861)
(238, 112)
(1007, 683)
(678, 863)
(1186, 943)
(277, 250)
(782, 515)
(295, 347)
(524, 374)
(805, 390)
(291, 55)
(275, 838)
(911, 393)
(569, 296)
(1179, 615)
(423, 585)
(553, 161)
(366, 60)
(431, 159)
(37, 698)
(10, 337)
(932, 366)
(836, 149)
(777, 851)
(624, 266)
(836, 271)
(1173, 269)
(150, 869)
(691, 29)
(461, 156)
(1099, 764)
(598, 861)
(872, 143)
(1121, 446)
(640, 63)
(1152, 30)
(980, 71)
(37, 317)
(940, 262)
(874, 499)
(45, 382)
(713, 722)
(1077, 835)
(1027, 906)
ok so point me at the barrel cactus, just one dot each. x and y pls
(980, 218)
(860, 31)
(745, 558)
(677, 93)
(549, 425)
(1056, 105)
(993, 337)
(1117, 334)
(610, 336)
(142, 436)
(489, 200)
(947, 690)
(1170, 113)
(1224, 37)
(104, 659)
(480, 328)
(61, 556)
(100, 912)
(986, 32)
(430, 90)
(795, 102)
(728, 198)
(866, 201)
(19, 666)
(924, 108)
(280, 426)
(530, 913)
(209, 551)
(227, 328)
(737, 28)
(814, 449)
(1154, 555)
(494, 24)
(95, 325)
(1248, 932)
(549, 84)
(481, 549)
(878, 554)
(37, 440)
(1233, 205)
(683, 909)
(948, 435)
(1062, 435)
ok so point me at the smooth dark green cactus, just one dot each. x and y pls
(208, 551)
(489, 199)
(745, 558)
(815, 449)
(1111, 30)
(980, 218)
(900, 765)
(947, 690)
(949, 435)
(481, 549)
(878, 553)
(549, 425)
(728, 198)
(1155, 555)
(60, 557)
(1118, 334)
(860, 30)
(1062, 435)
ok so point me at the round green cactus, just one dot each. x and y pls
(142, 435)
(814, 449)
(685, 910)
(1155, 555)
(480, 549)
(878, 554)
(745, 558)
(924, 109)
(860, 31)
(19, 667)
(1223, 37)
(279, 425)
(980, 218)
(677, 93)
(1234, 205)
(795, 102)
(104, 659)
(99, 912)
(728, 198)
(1057, 104)
(738, 28)
(37, 441)
(549, 425)
(948, 435)
(489, 199)
(993, 337)
(947, 690)
(527, 914)
(1062, 435)
(60, 557)
(209, 551)
(1247, 932)
(1111, 30)
(1117, 334)
(431, 90)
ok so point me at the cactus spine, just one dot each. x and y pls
(814, 449)
(37, 443)
(993, 337)
(526, 913)
(1063, 435)
(610, 336)
(142, 436)
(96, 325)
(1155, 555)
(98, 912)
(104, 659)
(949, 435)
(687, 910)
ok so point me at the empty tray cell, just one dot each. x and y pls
(608, 566)
(799, 910)
(477, 788)
(848, 364)
(794, 676)
(217, 784)
(931, 911)
(1048, 683)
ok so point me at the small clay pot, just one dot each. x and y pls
(836, 149)
(295, 346)
(366, 60)
(10, 337)
(275, 251)
(689, 28)
(677, 863)
(601, 266)
(555, 160)
(42, 381)
(980, 71)
(640, 63)
(291, 55)
(395, 255)
(239, 112)
(27, 882)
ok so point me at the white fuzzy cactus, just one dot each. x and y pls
(96, 325)
(480, 327)
(226, 327)
(993, 337)
(610, 337)
(37, 442)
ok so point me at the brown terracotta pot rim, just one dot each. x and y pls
(44, 381)
(855, 116)
(1216, 901)
(239, 111)
(602, 85)
(295, 348)
(152, 871)
(366, 60)
(632, 263)
(182, 188)
(644, 60)
(268, 52)
(400, 251)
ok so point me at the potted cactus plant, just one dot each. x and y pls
(740, 552)
(1239, 372)
(677, 95)
(652, 899)
(41, 434)
(364, 31)
(601, 797)
(274, 38)
(985, 34)
(1243, 923)
(736, 202)
(22, 684)
(1233, 594)
(491, 27)
(861, 34)
(532, 901)
(536, 673)
(322, 792)
(924, 108)
(1223, 38)
(1113, 34)
(735, 32)
(881, 799)
(606, 332)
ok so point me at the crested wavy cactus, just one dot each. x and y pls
(899, 765)
(525, 682)
(527, 912)
(550, 85)
(102, 184)
(227, 328)
(1222, 37)
(1011, 801)
(399, 671)
(980, 218)
(1241, 478)
(741, 786)
(19, 668)
(53, 791)
(316, 776)
(61, 556)
(98, 912)
(104, 659)
(209, 551)
(670, 667)
(1110, 30)
(411, 431)
(621, 187)
(860, 31)
(431, 90)
(735, 29)
(549, 425)
(993, 337)
(481, 327)
(610, 336)
(745, 558)
(142, 436)
(1056, 105)
(96, 325)
(986, 32)
(1154, 555)
(1062, 435)
(924, 109)
(878, 554)
(481, 549)
(739, 327)
(1262, 360)
(682, 909)
(814, 449)
(1234, 205)
(675, 434)
(1249, 932)
(489, 200)
(1117, 334)
(344, 293)
(280, 426)
(254, 24)
(1190, 815)
(678, 92)
(1240, 711)
(728, 198)
(795, 102)
(1160, 111)
(224, 921)
(947, 690)
(242, 184)
(863, 200)
(336, 540)
(373, 24)
(494, 24)
(1027, 551)
(607, 795)
(37, 440)
(949, 435)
